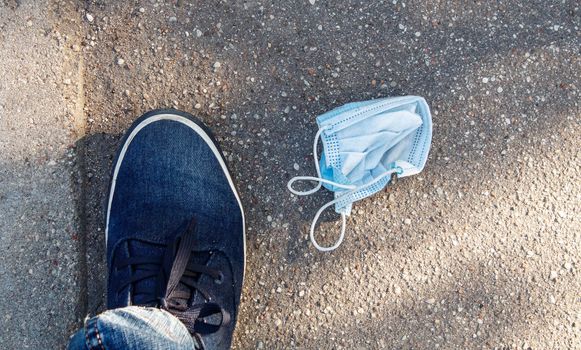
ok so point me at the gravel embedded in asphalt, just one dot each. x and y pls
(481, 250)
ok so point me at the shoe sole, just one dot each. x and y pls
(199, 128)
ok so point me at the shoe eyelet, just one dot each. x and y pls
(220, 279)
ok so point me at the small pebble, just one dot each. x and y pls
(407, 221)
(197, 106)
(499, 90)
(198, 33)
(120, 61)
(553, 276)
(296, 166)
(312, 2)
(141, 9)
(90, 17)
(217, 65)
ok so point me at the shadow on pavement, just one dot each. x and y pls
(502, 87)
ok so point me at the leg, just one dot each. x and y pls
(133, 327)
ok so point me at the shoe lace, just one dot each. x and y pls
(176, 280)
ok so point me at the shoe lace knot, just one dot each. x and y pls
(177, 278)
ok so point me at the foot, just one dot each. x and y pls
(175, 226)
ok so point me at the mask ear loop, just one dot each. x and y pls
(397, 170)
(352, 189)
(318, 178)
(320, 182)
(314, 225)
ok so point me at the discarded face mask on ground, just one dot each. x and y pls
(365, 144)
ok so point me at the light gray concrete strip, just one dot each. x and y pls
(40, 282)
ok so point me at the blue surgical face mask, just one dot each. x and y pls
(364, 144)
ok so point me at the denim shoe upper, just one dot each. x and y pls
(175, 226)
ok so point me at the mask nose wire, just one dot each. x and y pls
(352, 189)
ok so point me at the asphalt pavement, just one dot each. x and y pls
(479, 251)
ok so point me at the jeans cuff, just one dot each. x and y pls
(93, 338)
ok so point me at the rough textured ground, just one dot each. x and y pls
(40, 251)
(480, 251)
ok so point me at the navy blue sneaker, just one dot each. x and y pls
(175, 227)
